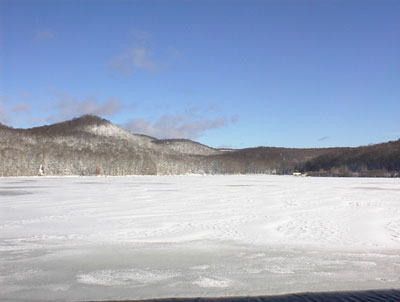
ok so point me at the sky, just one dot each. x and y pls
(226, 73)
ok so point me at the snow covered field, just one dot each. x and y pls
(88, 238)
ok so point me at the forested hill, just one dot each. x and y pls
(90, 145)
(374, 160)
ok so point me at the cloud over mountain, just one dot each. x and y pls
(74, 107)
(21, 108)
(186, 126)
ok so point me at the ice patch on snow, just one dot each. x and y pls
(212, 282)
(279, 270)
(201, 267)
(124, 277)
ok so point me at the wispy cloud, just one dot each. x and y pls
(235, 118)
(142, 55)
(188, 125)
(43, 35)
(21, 108)
(141, 60)
(187, 91)
(324, 138)
(24, 94)
(4, 116)
(67, 107)
(137, 58)
(140, 35)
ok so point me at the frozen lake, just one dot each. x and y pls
(97, 238)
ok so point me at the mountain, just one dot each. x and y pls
(90, 145)
(186, 146)
(374, 160)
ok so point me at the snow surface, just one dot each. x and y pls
(92, 238)
(108, 130)
(111, 130)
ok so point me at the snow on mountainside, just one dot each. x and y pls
(89, 124)
(111, 130)
(186, 146)
(90, 145)
(108, 130)
(101, 127)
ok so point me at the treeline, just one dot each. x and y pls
(380, 160)
(93, 146)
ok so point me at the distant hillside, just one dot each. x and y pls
(90, 145)
(375, 160)
(186, 146)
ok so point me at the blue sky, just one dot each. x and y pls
(314, 73)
